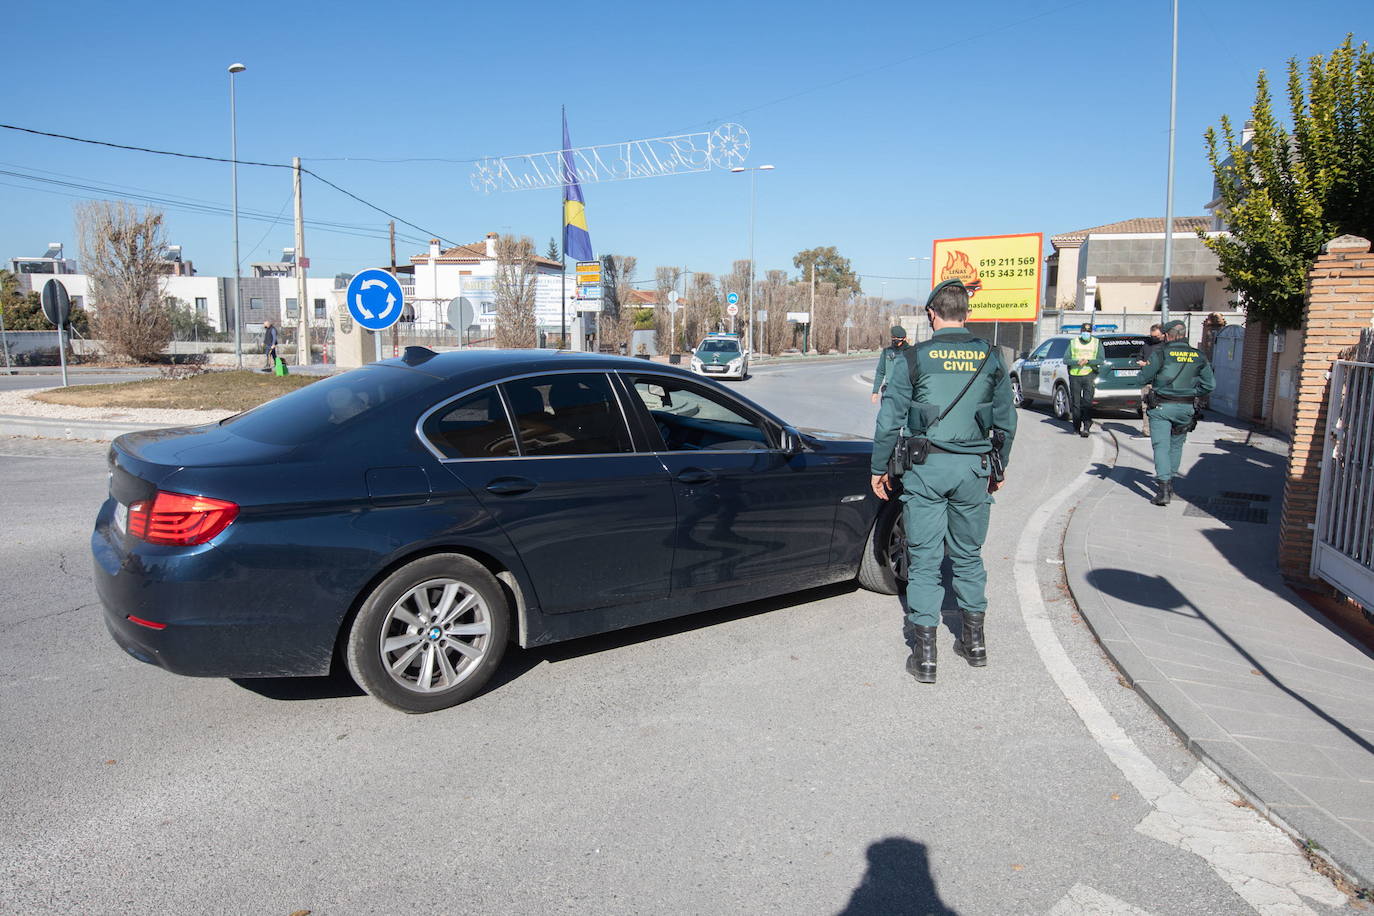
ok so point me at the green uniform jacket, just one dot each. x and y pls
(1094, 361)
(885, 358)
(1178, 370)
(940, 368)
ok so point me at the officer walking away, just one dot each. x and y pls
(269, 344)
(955, 402)
(1155, 340)
(1178, 375)
(1085, 358)
(889, 354)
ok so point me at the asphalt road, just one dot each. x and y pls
(768, 758)
(25, 380)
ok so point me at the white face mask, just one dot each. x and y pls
(1085, 337)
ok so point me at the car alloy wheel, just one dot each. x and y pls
(430, 635)
(1016, 399)
(435, 636)
(897, 557)
(1061, 402)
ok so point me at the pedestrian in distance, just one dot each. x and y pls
(269, 344)
(889, 355)
(946, 425)
(1085, 359)
(1153, 343)
(1178, 375)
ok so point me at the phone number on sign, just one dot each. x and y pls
(1006, 262)
(1007, 272)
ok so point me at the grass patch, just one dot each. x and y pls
(236, 390)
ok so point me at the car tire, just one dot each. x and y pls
(430, 635)
(1061, 402)
(1018, 397)
(880, 567)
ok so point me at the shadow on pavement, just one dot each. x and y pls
(1158, 593)
(332, 686)
(898, 883)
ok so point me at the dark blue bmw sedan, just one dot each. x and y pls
(412, 517)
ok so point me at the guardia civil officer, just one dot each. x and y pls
(887, 357)
(1178, 374)
(1085, 358)
(955, 395)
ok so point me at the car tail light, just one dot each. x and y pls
(179, 518)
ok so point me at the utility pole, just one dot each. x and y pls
(1169, 193)
(303, 329)
(395, 330)
(811, 315)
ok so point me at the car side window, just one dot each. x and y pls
(567, 414)
(690, 417)
(1058, 347)
(1040, 351)
(474, 427)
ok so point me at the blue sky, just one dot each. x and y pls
(890, 124)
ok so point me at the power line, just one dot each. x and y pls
(270, 165)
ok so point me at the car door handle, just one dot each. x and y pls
(695, 476)
(511, 486)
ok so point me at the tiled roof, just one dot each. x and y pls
(644, 296)
(477, 251)
(1140, 224)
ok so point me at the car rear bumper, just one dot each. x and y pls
(213, 627)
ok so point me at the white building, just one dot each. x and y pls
(469, 272)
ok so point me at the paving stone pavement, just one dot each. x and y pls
(1188, 601)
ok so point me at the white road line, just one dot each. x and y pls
(1253, 856)
(1082, 900)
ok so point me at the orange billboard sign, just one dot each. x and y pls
(1003, 273)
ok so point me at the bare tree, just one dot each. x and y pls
(122, 251)
(618, 308)
(665, 281)
(514, 288)
(770, 297)
(703, 312)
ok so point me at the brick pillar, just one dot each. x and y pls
(1253, 365)
(1339, 306)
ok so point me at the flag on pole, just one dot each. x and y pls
(577, 242)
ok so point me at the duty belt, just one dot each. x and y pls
(1185, 399)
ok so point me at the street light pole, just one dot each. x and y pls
(234, 172)
(753, 199)
(1169, 184)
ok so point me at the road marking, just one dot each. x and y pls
(1082, 900)
(1250, 854)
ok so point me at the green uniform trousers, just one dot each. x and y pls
(1168, 445)
(1082, 390)
(946, 504)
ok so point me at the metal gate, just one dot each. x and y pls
(1228, 351)
(1343, 545)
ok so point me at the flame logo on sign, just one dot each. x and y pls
(959, 267)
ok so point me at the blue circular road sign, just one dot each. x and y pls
(374, 299)
(732, 298)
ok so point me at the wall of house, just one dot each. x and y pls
(1286, 362)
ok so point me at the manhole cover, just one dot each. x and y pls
(1228, 510)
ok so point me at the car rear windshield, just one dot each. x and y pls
(1123, 347)
(719, 346)
(326, 405)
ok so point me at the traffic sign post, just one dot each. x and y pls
(375, 300)
(57, 306)
(672, 308)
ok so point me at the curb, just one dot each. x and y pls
(1073, 553)
(48, 428)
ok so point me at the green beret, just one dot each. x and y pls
(1173, 326)
(945, 285)
(898, 331)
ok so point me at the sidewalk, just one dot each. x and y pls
(1188, 601)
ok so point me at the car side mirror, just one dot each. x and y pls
(792, 442)
(1024, 354)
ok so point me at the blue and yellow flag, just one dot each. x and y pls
(577, 242)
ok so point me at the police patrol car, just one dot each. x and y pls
(720, 356)
(1043, 374)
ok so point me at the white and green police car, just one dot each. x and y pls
(1042, 375)
(721, 356)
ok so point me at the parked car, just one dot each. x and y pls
(720, 356)
(412, 517)
(1043, 374)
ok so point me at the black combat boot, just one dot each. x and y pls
(970, 645)
(921, 665)
(1163, 494)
